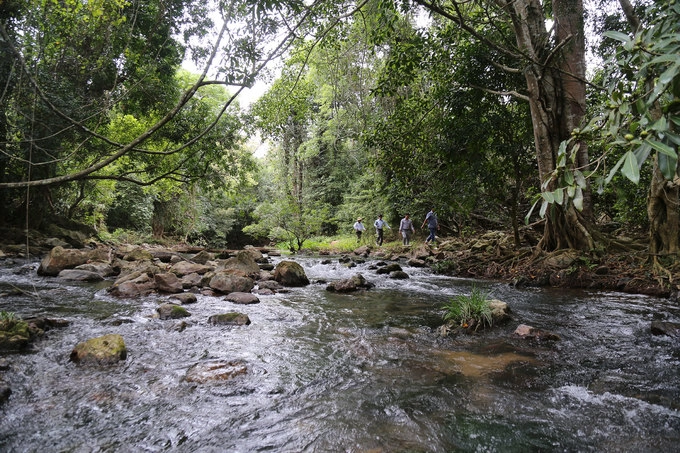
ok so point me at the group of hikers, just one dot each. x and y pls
(406, 228)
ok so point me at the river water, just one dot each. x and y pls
(362, 372)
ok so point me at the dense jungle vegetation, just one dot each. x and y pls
(556, 114)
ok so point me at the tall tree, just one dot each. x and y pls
(553, 64)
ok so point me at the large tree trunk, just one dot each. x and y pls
(556, 91)
(663, 214)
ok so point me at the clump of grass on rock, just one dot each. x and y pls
(470, 312)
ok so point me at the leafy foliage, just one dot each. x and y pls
(644, 106)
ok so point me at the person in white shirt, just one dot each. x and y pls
(406, 229)
(379, 225)
(359, 228)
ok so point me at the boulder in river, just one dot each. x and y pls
(168, 283)
(172, 311)
(242, 264)
(242, 298)
(80, 275)
(60, 258)
(355, 283)
(104, 350)
(15, 334)
(290, 273)
(228, 283)
(183, 268)
(532, 333)
(230, 319)
(185, 298)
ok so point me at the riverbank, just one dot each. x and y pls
(624, 266)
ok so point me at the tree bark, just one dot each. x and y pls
(555, 77)
(663, 214)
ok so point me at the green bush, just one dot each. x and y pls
(471, 311)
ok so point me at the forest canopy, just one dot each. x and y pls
(486, 110)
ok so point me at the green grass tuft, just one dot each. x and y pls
(471, 311)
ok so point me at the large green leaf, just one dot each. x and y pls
(617, 35)
(662, 148)
(630, 167)
(667, 165)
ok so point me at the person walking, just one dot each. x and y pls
(406, 228)
(379, 225)
(359, 228)
(432, 225)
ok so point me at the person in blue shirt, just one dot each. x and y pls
(432, 225)
(379, 225)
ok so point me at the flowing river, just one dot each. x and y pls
(360, 372)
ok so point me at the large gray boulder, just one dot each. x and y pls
(241, 264)
(80, 275)
(356, 283)
(242, 298)
(133, 285)
(100, 267)
(60, 258)
(290, 273)
(186, 268)
(168, 283)
(226, 283)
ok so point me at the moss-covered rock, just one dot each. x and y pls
(104, 350)
(230, 319)
(15, 334)
(172, 311)
(290, 273)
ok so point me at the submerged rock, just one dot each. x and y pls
(104, 350)
(216, 370)
(671, 329)
(532, 333)
(399, 275)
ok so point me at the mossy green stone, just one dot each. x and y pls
(14, 334)
(179, 312)
(104, 350)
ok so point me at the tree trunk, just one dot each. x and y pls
(556, 91)
(663, 214)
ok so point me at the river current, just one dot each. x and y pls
(360, 372)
